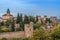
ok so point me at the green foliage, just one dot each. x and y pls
(40, 35)
(19, 39)
(25, 38)
(31, 18)
(22, 26)
(12, 25)
(4, 29)
(48, 20)
(6, 24)
(37, 25)
(14, 39)
(3, 39)
(55, 33)
(26, 20)
(2, 23)
(18, 29)
(36, 18)
(18, 19)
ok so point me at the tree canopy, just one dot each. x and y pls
(55, 33)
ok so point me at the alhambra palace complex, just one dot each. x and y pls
(28, 28)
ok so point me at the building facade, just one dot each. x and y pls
(7, 15)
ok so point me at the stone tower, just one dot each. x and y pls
(39, 19)
(28, 30)
(7, 16)
(8, 11)
(53, 19)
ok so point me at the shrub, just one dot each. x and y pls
(17, 29)
(4, 29)
(13, 39)
(4, 39)
(25, 38)
(16, 39)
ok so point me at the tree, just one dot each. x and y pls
(37, 25)
(55, 33)
(40, 34)
(4, 29)
(31, 18)
(12, 25)
(25, 38)
(6, 24)
(22, 26)
(2, 23)
(48, 20)
(26, 20)
(36, 18)
(18, 19)
(4, 39)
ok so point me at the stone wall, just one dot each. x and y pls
(12, 34)
(28, 30)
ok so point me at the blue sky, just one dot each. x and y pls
(31, 7)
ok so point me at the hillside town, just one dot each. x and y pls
(23, 26)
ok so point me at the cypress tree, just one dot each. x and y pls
(36, 18)
(21, 23)
(31, 19)
(18, 19)
(26, 20)
(12, 25)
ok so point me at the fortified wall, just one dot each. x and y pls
(28, 30)
(12, 34)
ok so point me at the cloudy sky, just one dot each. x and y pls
(31, 7)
